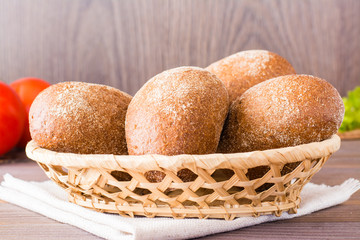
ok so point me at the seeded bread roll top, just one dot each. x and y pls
(282, 112)
(79, 117)
(179, 111)
(245, 69)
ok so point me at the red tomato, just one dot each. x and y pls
(28, 89)
(12, 118)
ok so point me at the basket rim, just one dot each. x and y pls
(208, 161)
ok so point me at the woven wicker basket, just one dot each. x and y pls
(227, 185)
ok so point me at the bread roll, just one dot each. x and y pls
(78, 117)
(281, 112)
(179, 111)
(245, 69)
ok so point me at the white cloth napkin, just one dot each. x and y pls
(50, 200)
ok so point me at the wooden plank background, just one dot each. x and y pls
(124, 43)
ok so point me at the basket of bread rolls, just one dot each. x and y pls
(239, 138)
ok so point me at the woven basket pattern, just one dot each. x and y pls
(226, 185)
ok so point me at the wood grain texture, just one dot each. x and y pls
(123, 43)
(338, 222)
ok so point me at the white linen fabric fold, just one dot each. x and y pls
(50, 200)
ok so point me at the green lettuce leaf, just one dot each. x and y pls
(352, 111)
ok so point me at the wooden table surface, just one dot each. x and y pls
(339, 222)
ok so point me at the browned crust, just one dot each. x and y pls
(281, 112)
(179, 111)
(81, 118)
(245, 69)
